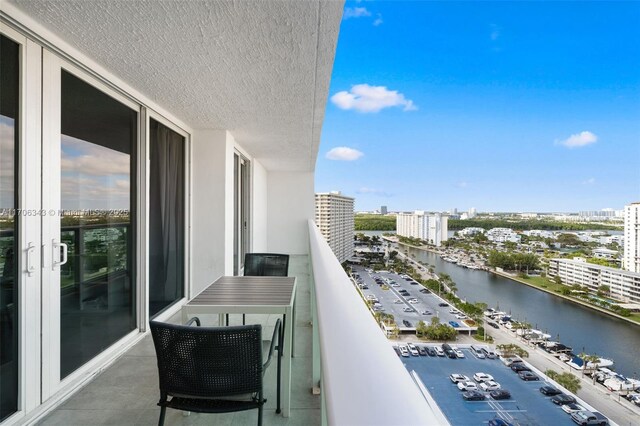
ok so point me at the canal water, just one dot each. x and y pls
(577, 326)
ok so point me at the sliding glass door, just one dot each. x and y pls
(241, 236)
(166, 216)
(89, 181)
(9, 249)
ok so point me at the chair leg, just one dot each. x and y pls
(260, 415)
(278, 373)
(243, 319)
(227, 320)
(163, 410)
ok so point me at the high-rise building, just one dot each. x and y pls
(383, 209)
(334, 218)
(631, 258)
(472, 213)
(430, 227)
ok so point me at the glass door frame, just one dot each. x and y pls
(52, 67)
(241, 209)
(28, 187)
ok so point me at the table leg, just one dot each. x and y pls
(286, 367)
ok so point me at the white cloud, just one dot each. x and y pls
(589, 181)
(380, 192)
(355, 12)
(378, 20)
(343, 153)
(79, 156)
(365, 98)
(462, 184)
(578, 140)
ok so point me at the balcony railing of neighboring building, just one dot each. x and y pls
(362, 380)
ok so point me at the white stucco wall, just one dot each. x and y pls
(259, 207)
(209, 202)
(291, 205)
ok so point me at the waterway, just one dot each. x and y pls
(581, 328)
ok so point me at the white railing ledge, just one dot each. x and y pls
(363, 381)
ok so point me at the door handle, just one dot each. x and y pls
(63, 258)
(30, 268)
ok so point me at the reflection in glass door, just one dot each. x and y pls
(97, 229)
(9, 107)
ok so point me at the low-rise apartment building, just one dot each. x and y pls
(623, 285)
(502, 235)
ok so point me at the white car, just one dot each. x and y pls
(467, 386)
(482, 377)
(413, 349)
(455, 377)
(572, 408)
(457, 351)
(454, 311)
(414, 301)
(398, 302)
(461, 316)
(440, 352)
(489, 386)
(404, 351)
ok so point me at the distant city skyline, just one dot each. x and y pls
(505, 107)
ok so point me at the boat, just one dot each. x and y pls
(578, 363)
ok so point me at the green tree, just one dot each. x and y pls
(569, 382)
(510, 349)
(421, 329)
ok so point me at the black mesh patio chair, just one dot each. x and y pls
(212, 369)
(264, 265)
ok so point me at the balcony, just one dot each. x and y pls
(361, 377)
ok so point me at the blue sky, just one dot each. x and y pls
(505, 106)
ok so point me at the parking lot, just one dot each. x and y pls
(527, 406)
(393, 302)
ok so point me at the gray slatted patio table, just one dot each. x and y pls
(252, 295)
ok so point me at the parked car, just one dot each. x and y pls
(458, 352)
(489, 386)
(451, 354)
(585, 418)
(454, 324)
(527, 376)
(461, 316)
(500, 394)
(572, 408)
(398, 302)
(493, 324)
(443, 304)
(562, 399)
(482, 377)
(427, 313)
(439, 351)
(431, 351)
(456, 378)
(473, 395)
(414, 300)
(467, 386)
(413, 350)
(550, 390)
(404, 351)
(518, 367)
(422, 351)
(408, 309)
(406, 323)
(499, 422)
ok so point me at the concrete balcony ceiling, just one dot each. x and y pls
(260, 69)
